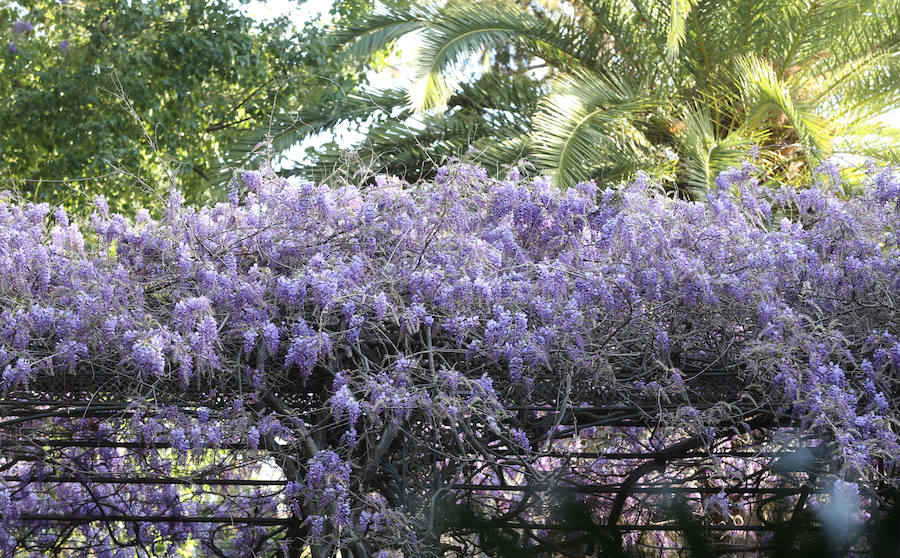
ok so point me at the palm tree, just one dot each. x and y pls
(603, 88)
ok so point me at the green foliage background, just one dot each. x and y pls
(583, 89)
(604, 88)
(199, 75)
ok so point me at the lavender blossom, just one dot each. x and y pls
(22, 26)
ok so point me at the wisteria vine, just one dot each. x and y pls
(334, 364)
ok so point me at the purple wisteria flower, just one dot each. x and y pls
(252, 180)
(22, 26)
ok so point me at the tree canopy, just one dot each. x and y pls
(604, 88)
(118, 97)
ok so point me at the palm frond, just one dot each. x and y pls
(499, 98)
(413, 147)
(862, 62)
(620, 20)
(361, 38)
(287, 129)
(679, 10)
(811, 27)
(619, 161)
(705, 156)
(584, 115)
(858, 76)
(652, 18)
(870, 88)
(467, 29)
(765, 95)
(874, 139)
(884, 152)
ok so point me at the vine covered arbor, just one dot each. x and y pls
(470, 365)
